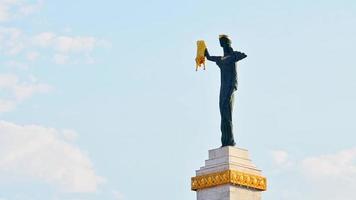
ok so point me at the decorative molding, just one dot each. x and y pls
(229, 177)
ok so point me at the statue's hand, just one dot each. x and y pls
(206, 53)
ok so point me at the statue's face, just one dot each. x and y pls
(224, 42)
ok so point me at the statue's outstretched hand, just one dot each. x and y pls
(206, 53)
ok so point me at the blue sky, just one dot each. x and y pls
(100, 100)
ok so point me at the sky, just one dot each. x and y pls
(101, 100)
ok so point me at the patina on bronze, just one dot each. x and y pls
(228, 74)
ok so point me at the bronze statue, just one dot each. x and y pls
(228, 75)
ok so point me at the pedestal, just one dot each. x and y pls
(228, 174)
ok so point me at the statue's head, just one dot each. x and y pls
(224, 41)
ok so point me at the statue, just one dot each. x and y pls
(228, 76)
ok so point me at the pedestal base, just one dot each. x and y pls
(228, 174)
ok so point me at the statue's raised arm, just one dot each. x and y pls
(212, 58)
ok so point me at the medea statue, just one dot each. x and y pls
(227, 65)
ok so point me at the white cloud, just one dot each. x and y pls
(27, 9)
(332, 176)
(7, 105)
(26, 90)
(37, 152)
(18, 90)
(16, 64)
(21, 90)
(341, 165)
(5, 10)
(60, 59)
(279, 157)
(32, 56)
(282, 159)
(12, 41)
(67, 44)
(43, 39)
(117, 195)
(62, 48)
(8, 80)
(12, 9)
(69, 135)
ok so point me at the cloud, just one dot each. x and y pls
(67, 44)
(62, 48)
(117, 195)
(12, 9)
(332, 176)
(46, 154)
(69, 135)
(59, 48)
(12, 41)
(43, 39)
(5, 10)
(279, 157)
(32, 56)
(282, 159)
(340, 165)
(26, 90)
(21, 90)
(25, 9)
(60, 59)
(66, 47)
(18, 91)
(16, 64)
(6, 105)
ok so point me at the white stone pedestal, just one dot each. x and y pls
(228, 174)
